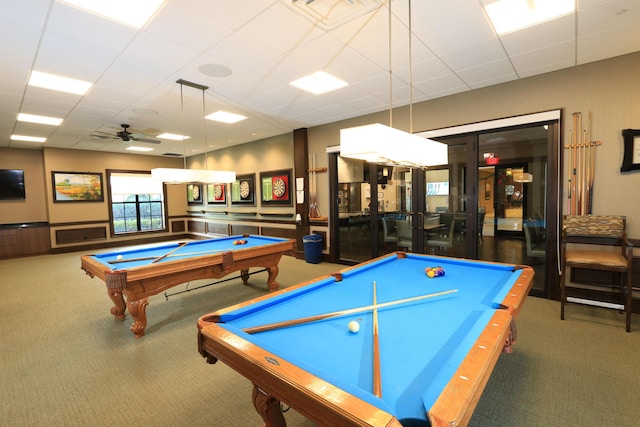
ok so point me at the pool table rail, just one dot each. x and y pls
(139, 282)
(276, 380)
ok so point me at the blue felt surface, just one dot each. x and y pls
(421, 343)
(191, 249)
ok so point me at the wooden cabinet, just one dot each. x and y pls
(24, 239)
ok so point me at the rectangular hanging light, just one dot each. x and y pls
(189, 176)
(522, 177)
(377, 143)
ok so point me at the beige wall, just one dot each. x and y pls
(609, 89)
(268, 154)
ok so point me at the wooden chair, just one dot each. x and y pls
(608, 250)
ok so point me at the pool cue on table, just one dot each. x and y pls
(318, 317)
(147, 258)
(181, 245)
(377, 378)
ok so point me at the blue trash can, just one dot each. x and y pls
(312, 248)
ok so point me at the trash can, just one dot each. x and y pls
(312, 248)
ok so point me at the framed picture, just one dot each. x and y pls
(275, 187)
(217, 194)
(77, 187)
(243, 190)
(631, 159)
(194, 194)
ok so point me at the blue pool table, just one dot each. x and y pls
(423, 353)
(142, 271)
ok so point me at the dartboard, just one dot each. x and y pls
(217, 191)
(279, 187)
(244, 189)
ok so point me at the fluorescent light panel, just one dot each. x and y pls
(225, 117)
(377, 143)
(27, 138)
(136, 148)
(43, 120)
(512, 15)
(173, 136)
(318, 83)
(133, 13)
(59, 83)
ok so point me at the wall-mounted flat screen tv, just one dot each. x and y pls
(11, 184)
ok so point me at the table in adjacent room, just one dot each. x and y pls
(142, 271)
(424, 350)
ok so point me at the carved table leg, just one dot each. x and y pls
(268, 407)
(271, 281)
(119, 308)
(138, 312)
(244, 274)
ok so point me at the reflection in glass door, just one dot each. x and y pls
(512, 185)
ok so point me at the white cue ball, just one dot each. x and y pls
(119, 257)
(354, 326)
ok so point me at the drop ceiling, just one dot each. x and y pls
(247, 51)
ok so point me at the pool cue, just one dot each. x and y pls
(583, 176)
(377, 377)
(318, 317)
(576, 138)
(570, 168)
(591, 166)
(147, 258)
(181, 245)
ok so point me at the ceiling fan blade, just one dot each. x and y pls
(101, 137)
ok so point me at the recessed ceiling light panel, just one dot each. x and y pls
(173, 136)
(43, 120)
(225, 117)
(318, 83)
(133, 13)
(512, 15)
(27, 138)
(59, 83)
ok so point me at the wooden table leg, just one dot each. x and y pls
(138, 312)
(119, 308)
(268, 407)
(271, 281)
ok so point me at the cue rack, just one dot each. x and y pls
(582, 155)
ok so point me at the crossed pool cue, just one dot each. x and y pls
(168, 255)
(377, 376)
(318, 317)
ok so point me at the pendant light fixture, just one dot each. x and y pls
(190, 176)
(377, 143)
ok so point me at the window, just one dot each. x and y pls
(137, 203)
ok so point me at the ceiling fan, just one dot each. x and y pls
(126, 136)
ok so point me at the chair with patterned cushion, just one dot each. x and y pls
(597, 243)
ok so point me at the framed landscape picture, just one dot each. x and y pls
(194, 194)
(77, 187)
(276, 188)
(243, 190)
(217, 194)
